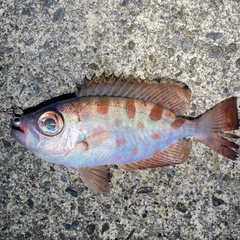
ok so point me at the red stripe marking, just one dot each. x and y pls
(102, 106)
(118, 122)
(178, 122)
(130, 109)
(156, 113)
(140, 126)
(134, 150)
(156, 135)
(120, 142)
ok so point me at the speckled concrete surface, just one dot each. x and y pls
(46, 46)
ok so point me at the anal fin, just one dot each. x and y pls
(175, 154)
(96, 178)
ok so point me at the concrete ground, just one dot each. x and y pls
(47, 46)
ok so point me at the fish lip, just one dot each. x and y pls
(19, 133)
(19, 136)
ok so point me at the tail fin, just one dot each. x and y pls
(216, 122)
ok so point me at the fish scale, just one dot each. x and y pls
(104, 114)
(136, 124)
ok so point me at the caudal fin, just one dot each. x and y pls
(215, 123)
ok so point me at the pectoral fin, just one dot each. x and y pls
(96, 178)
(96, 139)
(175, 154)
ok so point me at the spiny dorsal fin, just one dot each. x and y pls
(167, 93)
(175, 154)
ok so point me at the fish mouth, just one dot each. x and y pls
(18, 130)
(18, 135)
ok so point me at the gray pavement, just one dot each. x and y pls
(46, 46)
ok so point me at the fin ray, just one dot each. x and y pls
(169, 94)
(176, 153)
(215, 124)
(96, 178)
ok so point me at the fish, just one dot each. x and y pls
(132, 123)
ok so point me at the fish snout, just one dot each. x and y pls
(17, 123)
(17, 131)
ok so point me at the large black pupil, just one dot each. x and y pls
(50, 124)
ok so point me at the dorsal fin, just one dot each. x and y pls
(167, 93)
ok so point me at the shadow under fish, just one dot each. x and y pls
(134, 123)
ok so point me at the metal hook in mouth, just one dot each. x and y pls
(16, 121)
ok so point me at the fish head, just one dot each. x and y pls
(51, 133)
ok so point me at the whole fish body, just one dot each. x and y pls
(133, 123)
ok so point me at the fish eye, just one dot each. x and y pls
(50, 123)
